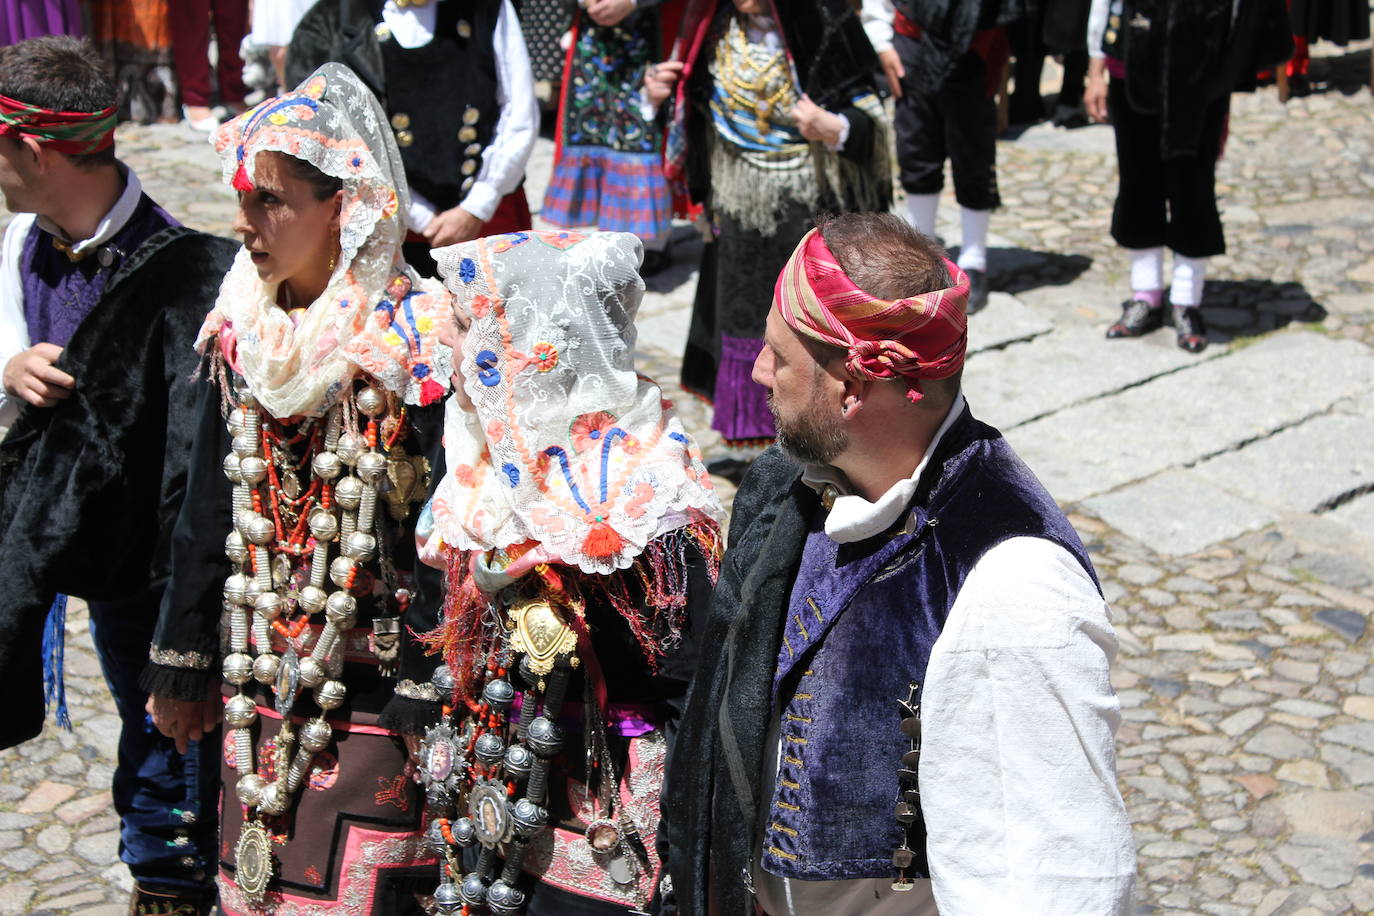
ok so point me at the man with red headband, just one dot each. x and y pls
(101, 294)
(903, 701)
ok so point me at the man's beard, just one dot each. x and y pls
(811, 438)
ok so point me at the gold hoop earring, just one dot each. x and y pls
(333, 259)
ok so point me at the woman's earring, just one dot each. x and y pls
(333, 259)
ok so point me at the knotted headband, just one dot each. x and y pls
(74, 133)
(917, 337)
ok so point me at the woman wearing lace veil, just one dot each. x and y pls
(297, 525)
(580, 533)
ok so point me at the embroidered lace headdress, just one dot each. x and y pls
(376, 314)
(569, 451)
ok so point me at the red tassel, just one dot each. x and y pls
(241, 180)
(602, 541)
(430, 391)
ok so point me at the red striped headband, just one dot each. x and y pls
(74, 133)
(917, 337)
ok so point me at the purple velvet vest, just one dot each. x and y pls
(59, 293)
(859, 629)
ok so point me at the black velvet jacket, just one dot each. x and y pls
(89, 488)
(948, 27)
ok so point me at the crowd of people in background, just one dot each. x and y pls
(443, 565)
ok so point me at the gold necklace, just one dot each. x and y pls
(747, 94)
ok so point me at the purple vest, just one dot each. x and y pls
(859, 629)
(59, 293)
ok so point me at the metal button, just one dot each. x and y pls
(473, 149)
(382, 31)
(903, 857)
(467, 134)
(471, 115)
(464, 28)
(467, 184)
(906, 812)
(469, 166)
(400, 120)
(404, 138)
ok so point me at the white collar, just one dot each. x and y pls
(853, 518)
(111, 224)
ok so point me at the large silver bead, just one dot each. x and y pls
(246, 400)
(340, 605)
(236, 589)
(240, 712)
(371, 467)
(327, 465)
(315, 735)
(250, 788)
(274, 799)
(238, 668)
(265, 668)
(359, 546)
(251, 590)
(351, 445)
(259, 529)
(311, 599)
(442, 678)
(231, 467)
(234, 548)
(324, 525)
(252, 470)
(349, 492)
(312, 672)
(244, 446)
(330, 694)
(340, 569)
(371, 401)
(268, 605)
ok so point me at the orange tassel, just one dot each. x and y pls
(602, 541)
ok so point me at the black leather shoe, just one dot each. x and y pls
(1138, 317)
(732, 469)
(1192, 333)
(977, 291)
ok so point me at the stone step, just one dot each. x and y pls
(1184, 417)
(1357, 515)
(1006, 320)
(1179, 512)
(1021, 382)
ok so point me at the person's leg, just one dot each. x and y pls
(920, 148)
(1028, 50)
(1194, 229)
(167, 802)
(231, 24)
(1138, 218)
(1068, 110)
(970, 118)
(189, 23)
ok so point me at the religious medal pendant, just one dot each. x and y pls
(253, 856)
(603, 835)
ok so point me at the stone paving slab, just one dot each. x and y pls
(1357, 515)
(1187, 416)
(1308, 467)
(1179, 512)
(1012, 386)
(1005, 320)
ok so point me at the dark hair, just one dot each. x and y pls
(321, 185)
(59, 73)
(888, 259)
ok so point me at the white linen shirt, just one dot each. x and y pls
(1018, 761)
(512, 140)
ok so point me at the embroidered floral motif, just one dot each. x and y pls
(312, 874)
(394, 791)
(324, 772)
(560, 240)
(588, 429)
(546, 356)
(412, 691)
(168, 658)
(487, 373)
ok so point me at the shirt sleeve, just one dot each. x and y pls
(1018, 765)
(504, 159)
(876, 16)
(14, 332)
(1097, 26)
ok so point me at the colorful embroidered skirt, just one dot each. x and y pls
(614, 191)
(351, 841)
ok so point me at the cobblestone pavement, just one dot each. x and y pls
(1226, 500)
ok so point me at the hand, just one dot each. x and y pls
(1095, 90)
(893, 69)
(660, 79)
(30, 375)
(815, 123)
(412, 743)
(609, 12)
(451, 227)
(185, 721)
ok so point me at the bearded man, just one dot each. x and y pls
(893, 569)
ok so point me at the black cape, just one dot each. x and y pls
(89, 489)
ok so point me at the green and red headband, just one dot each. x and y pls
(74, 133)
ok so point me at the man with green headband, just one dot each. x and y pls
(101, 292)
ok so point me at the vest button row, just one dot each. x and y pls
(400, 120)
(404, 138)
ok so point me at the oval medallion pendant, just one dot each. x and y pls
(253, 856)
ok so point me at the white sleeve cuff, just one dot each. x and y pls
(421, 211)
(482, 200)
(844, 135)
